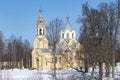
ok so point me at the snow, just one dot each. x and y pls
(26, 74)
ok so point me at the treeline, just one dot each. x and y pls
(99, 33)
(14, 52)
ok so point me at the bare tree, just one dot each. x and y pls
(18, 53)
(27, 55)
(98, 36)
(118, 33)
(1, 48)
(53, 36)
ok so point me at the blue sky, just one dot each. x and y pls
(19, 17)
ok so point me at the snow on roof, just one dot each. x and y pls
(73, 46)
(45, 50)
(39, 39)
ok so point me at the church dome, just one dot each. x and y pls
(67, 26)
(68, 32)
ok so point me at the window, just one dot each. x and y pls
(52, 60)
(43, 32)
(43, 45)
(46, 63)
(37, 31)
(67, 35)
(72, 35)
(60, 60)
(62, 35)
(55, 59)
(37, 60)
(40, 31)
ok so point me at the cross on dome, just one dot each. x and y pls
(67, 18)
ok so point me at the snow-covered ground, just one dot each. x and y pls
(26, 74)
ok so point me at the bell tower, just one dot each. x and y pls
(40, 37)
(40, 26)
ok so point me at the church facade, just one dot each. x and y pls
(66, 51)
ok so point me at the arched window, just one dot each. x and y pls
(37, 60)
(40, 31)
(60, 60)
(67, 35)
(43, 31)
(62, 35)
(46, 63)
(37, 31)
(52, 60)
(40, 21)
(43, 45)
(72, 35)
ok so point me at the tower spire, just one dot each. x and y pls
(68, 25)
(40, 18)
(67, 18)
(40, 12)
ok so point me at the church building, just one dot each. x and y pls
(66, 51)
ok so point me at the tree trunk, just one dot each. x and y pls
(92, 74)
(86, 63)
(107, 69)
(100, 70)
(113, 65)
(84, 75)
(54, 65)
(0, 60)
